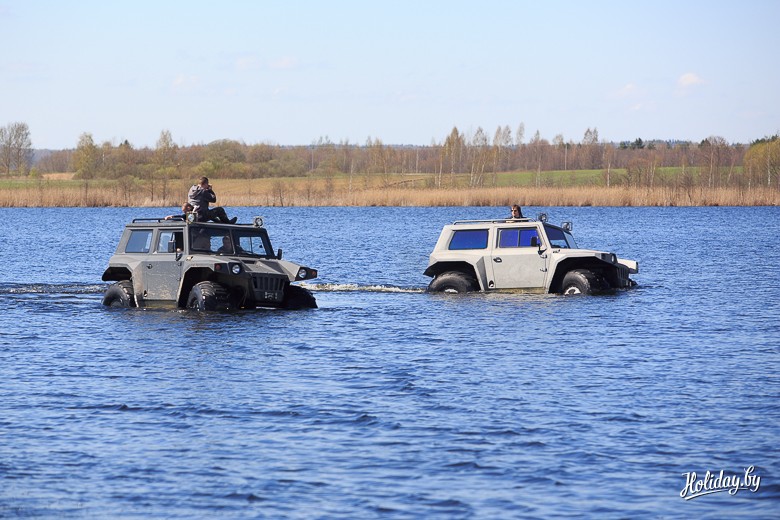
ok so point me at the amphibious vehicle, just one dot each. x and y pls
(203, 266)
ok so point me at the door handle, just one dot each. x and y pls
(497, 260)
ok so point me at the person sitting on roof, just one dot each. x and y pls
(200, 195)
(185, 209)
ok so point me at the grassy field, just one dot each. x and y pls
(552, 188)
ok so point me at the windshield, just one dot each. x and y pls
(559, 237)
(234, 242)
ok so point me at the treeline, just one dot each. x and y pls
(472, 159)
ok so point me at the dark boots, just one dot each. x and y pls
(218, 215)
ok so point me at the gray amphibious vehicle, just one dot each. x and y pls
(521, 253)
(202, 266)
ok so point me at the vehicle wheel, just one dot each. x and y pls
(296, 297)
(580, 281)
(120, 294)
(453, 282)
(208, 296)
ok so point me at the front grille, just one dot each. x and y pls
(268, 283)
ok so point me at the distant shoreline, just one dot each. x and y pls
(573, 197)
(361, 191)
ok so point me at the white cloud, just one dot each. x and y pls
(183, 82)
(627, 90)
(689, 79)
(285, 62)
(247, 63)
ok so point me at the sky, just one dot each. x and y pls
(405, 72)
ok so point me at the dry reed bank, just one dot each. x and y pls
(364, 191)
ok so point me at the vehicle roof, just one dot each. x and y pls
(493, 221)
(162, 222)
(501, 221)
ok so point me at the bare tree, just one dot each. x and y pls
(165, 158)
(15, 148)
(502, 140)
(520, 146)
(537, 145)
(6, 152)
(453, 147)
(609, 154)
(55, 162)
(590, 143)
(479, 157)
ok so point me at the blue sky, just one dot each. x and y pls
(405, 72)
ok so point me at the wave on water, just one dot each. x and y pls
(44, 288)
(353, 287)
(76, 288)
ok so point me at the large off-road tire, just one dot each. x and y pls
(453, 282)
(580, 281)
(119, 294)
(296, 298)
(208, 296)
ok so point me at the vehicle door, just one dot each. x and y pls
(516, 259)
(162, 270)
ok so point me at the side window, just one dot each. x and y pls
(517, 237)
(508, 237)
(199, 239)
(469, 239)
(207, 240)
(252, 244)
(556, 237)
(170, 241)
(140, 241)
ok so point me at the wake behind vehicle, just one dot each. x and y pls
(522, 253)
(203, 266)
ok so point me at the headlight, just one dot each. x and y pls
(235, 268)
(304, 273)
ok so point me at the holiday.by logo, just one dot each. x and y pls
(715, 483)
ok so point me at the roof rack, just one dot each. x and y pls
(179, 220)
(495, 221)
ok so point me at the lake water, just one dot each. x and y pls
(387, 401)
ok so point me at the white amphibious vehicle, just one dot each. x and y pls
(522, 253)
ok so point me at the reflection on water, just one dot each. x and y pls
(386, 399)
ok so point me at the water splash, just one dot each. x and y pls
(353, 287)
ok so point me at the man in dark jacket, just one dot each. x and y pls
(516, 211)
(185, 210)
(200, 196)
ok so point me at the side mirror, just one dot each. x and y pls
(536, 242)
(279, 254)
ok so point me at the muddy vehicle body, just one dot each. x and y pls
(203, 266)
(523, 253)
